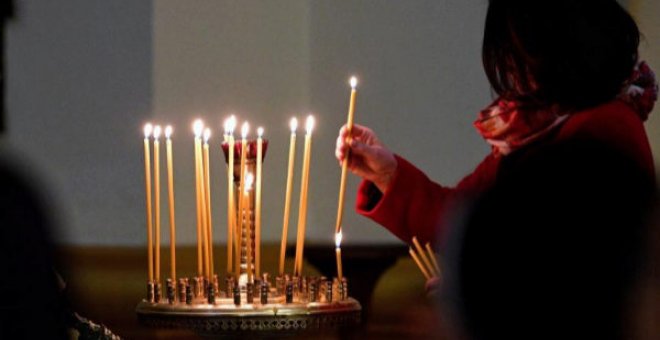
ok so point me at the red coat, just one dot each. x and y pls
(413, 205)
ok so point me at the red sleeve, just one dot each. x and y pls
(413, 205)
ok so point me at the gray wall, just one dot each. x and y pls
(83, 76)
(646, 15)
(78, 89)
(213, 58)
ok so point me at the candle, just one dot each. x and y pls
(338, 237)
(287, 196)
(249, 180)
(157, 132)
(202, 211)
(344, 165)
(423, 256)
(239, 226)
(198, 127)
(207, 201)
(257, 216)
(419, 264)
(230, 125)
(170, 191)
(432, 256)
(148, 128)
(302, 210)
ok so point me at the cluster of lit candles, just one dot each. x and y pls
(238, 208)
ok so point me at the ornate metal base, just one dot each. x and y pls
(226, 318)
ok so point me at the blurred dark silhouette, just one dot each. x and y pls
(6, 13)
(553, 250)
(31, 304)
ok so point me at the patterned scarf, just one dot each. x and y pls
(506, 126)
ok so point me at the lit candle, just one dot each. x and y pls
(148, 128)
(230, 125)
(202, 211)
(249, 180)
(344, 166)
(340, 272)
(302, 210)
(239, 226)
(289, 188)
(257, 210)
(170, 191)
(198, 128)
(207, 201)
(423, 256)
(157, 132)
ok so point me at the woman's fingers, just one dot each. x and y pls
(340, 149)
(369, 159)
(358, 132)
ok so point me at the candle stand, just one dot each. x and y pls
(249, 304)
(225, 317)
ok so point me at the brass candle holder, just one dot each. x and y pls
(244, 303)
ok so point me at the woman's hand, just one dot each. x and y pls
(369, 158)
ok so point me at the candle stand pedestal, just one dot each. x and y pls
(224, 317)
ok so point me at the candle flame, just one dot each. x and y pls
(249, 179)
(230, 125)
(244, 130)
(309, 124)
(293, 124)
(225, 126)
(148, 128)
(207, 135)
(260, 132)
(168, 131)
(198, 127)
(338, 237)
(157, 131)
(353, 82)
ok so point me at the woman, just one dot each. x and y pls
(563, 70)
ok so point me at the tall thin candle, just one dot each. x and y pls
(157, 132)
(257, 210)
(344, 166)
(148, 128)
(230, 125)
(170, 191)
(419, 264)
(423, 256)
(302, 210)
(207, 201)
(338, 237)
(289, 188)
(202, 211)
(198, 127)
(433, 259)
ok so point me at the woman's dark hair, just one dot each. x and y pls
(571, 53)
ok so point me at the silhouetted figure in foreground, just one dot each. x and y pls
(553, 249)
(30, 301)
